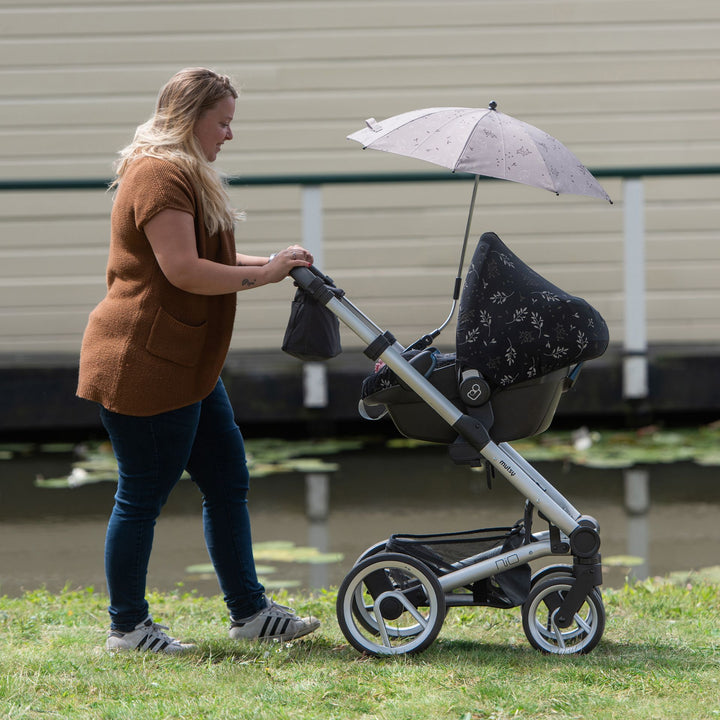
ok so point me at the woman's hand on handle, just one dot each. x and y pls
(281, 263)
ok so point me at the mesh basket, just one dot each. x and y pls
(446, 552)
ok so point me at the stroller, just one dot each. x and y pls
(520, 343)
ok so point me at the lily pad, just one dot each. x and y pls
(708, 457)
(9, 450)
(282, 551)
(304, 465)
(280, 584)
(709, 575)
(623, 448)
(57, 448)
(623, 561)
(276, 551)
(77, 478)
(265, 457)
(208, 569)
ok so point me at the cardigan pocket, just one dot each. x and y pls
(173, 340)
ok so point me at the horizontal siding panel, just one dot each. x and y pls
(683, 187)
(675, 246)
(452, 223)
(18, 348)
(684, 303)
(86, 291)
(71, 321)
(49, 323)
(249, 17)
(158, 45)
(696, 333)
(430, 253)
(49, 204)
(55, 235)
(621, 83)
(533, 105)
(421, 283)
(317, 134)
(684, 274)
(66, 143)
(44, 263)
(260, 78)
(37, 292)
(680, 219)
(100, 145)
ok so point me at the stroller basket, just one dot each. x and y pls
(446, 552)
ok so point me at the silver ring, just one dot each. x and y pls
(294, 256)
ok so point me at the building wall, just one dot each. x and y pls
(622, 83)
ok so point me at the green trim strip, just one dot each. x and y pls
(356, 178)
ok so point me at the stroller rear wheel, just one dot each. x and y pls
(541, 630)
(378, 547)
(362, 612)
(390, 604)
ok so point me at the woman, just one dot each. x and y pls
(152, 354)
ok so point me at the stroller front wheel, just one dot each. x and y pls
(541, 630)
(390, 604)
(552, 571)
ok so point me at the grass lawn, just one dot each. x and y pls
(659, 658)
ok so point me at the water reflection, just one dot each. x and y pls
(663, 514)
(317, 508)
(637, 508)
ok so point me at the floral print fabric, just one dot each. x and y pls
(514, 325)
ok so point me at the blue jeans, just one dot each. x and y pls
(152, 453)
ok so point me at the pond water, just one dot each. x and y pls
(654, 520)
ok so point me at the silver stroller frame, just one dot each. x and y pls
(393, 603)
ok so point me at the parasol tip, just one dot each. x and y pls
(492, 105)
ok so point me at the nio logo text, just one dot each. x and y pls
(503, 563)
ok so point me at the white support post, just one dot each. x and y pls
(312, 222)
(315, 393)
(635, 369)
(315, 390)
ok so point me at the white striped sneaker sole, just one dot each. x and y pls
(146, 637)
(275, 622)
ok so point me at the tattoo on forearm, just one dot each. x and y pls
(248, 283)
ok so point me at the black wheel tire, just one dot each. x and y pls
(411, 586)
(539, 625)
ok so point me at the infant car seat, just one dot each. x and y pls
(520, 341)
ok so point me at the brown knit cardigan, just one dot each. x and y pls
(150, 347)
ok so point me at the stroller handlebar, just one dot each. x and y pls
(314, 282)
(304, 276)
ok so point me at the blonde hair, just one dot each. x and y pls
(168, 135)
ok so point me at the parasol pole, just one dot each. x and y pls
(426, 340)
(458, 279)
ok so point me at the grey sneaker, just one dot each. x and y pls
(273, 622)
(147, 636)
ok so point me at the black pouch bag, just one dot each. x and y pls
(313, 331)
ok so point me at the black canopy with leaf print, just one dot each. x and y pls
(514, 325)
